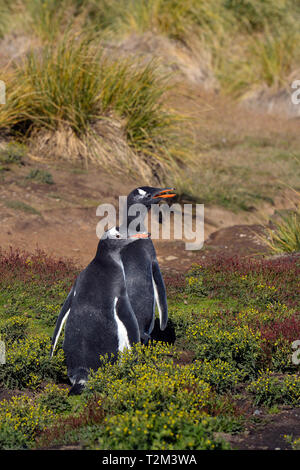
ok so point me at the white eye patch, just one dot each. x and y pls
(113, 233)
(141, 192)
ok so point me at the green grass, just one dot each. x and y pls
(40, 176)
(4, 18)
(267, 59)
(255, 15)
(50, 17)
(284, 236)
(21, 206)
(60, 86)
(13, 152)
(172, 18)
(241, 174)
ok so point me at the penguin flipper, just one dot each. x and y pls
(62, 317)
(126, 314)
(160, 294)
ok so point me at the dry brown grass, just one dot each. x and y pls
(105, 145)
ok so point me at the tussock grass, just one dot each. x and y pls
(173, 18)
(48, 18)
(3, 18)
(255, 15)
(265, 59)
(71, 96)
(285, 236)
(252, 42)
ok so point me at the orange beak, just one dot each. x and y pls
(140, 235)
(162, 195)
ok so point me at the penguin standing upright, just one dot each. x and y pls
(144, 281)
(97, 313)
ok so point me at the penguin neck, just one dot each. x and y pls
(129, 219)
(106, 256)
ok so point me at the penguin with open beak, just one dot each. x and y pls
(144, 281)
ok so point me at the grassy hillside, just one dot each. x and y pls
(90, 81)
(251, 41)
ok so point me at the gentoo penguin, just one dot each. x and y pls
(97, 313)
(144, 281)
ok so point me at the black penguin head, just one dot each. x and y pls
(147, 195)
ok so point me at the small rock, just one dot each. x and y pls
(257, 412)
(171, 258)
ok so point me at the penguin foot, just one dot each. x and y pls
(145, 338)
(168, 335)
(77, 389)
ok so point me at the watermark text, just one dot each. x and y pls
(174, 222)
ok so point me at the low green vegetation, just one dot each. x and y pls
(242, 173)
(21, 206)
(284, 236)
(13, 152)
(40, 176)
(235, 321)
(21, 419)
(269, 389)
(294, 443)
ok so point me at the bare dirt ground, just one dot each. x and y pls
(61, 219)
(270, 432)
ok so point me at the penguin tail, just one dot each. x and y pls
(145, 338)
(77, 389)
